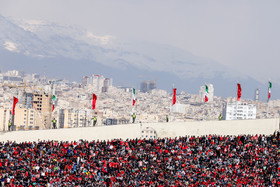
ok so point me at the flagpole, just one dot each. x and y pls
(171, 108)
(267, 105)
(52, 102)
(15, 101)
(93, 103)
(203, 113)
(236, 101)
(92, 113)
(133, 107)
(13, 122)
(267, 109)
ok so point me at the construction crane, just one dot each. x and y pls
(32, 87)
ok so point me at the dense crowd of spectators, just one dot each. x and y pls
(186, 161)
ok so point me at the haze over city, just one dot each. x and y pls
(189, 42)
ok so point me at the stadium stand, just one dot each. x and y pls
(185, 161)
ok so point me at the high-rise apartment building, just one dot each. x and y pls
(27, 100)
(106, 85)
(147, 86)
(257, 94)
(5, 116)
(42, 104)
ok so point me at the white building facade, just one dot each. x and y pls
(238, 110)
(178, 108)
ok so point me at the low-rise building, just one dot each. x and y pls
(238, 110)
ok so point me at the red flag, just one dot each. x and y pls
(174, 96)
(94, 98)
(14, 104)
(238, 92)
(53, 107)
(206, 99)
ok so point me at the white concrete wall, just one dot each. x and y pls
(130, 131)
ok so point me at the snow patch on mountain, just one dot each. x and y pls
(104, 40)
(10, 46)
(46, 31)
(42, 39)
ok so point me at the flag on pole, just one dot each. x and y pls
(206, 93)
(53, 101)
(94, 98)
(14, 104)
(174, 96)
(238, 92)
(133, 97)
(269, 89)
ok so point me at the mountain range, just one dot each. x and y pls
(70, 52)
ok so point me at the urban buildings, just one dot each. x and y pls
(238, 110)
(257, 95)
(98, 82)
(178, 108)
(147, 86)
(114, 104)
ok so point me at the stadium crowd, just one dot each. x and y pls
(185, 161)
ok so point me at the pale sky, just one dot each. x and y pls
(243, 34)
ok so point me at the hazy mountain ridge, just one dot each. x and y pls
(127, 62)
(52, 40)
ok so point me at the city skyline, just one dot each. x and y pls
(71, 103)
(144, 85)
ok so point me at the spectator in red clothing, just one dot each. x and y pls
(186, 161)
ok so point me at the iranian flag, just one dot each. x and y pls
(133, 97)
(53, 100)
(238, 92)
(206, 94)
(269, 89)
(174, 96)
